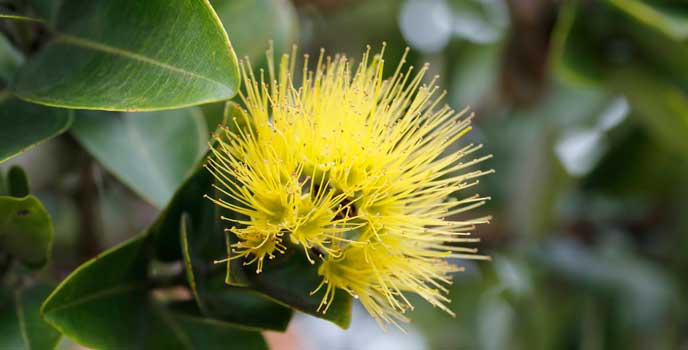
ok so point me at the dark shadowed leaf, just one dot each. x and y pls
(23, 125)
(188, 199)
(17, 182)
(46, 9)
(290, 279)
(217, 300)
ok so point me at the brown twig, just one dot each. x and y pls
(88, 244)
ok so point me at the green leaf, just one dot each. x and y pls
(672, 20)
(131, 55)
(206, 333)
(219, 301)
(247, 307)
(573, 47)
(214, 115)
(290, 279)
(21, 326)
(115, 284)
(150, 152)
(10, 59)
(662, 106)
(26, 230)
(278, 22)
(23, 125)
(592, 41)
(188, 199)
(17, 182)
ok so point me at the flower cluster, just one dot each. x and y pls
(354, 170)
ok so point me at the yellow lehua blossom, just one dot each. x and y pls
(356, 171)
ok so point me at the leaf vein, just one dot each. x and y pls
(98, 295)
(92, 45)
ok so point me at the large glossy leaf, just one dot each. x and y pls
(277, 20)
(115, 284)
(151, 152)
(278, 24)
(21, 326)
(131, 55)
(26, 230)
(23, 125)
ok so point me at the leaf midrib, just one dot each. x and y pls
(97, 295)
(95, 46)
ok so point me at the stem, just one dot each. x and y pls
(87, 197)
(5, 264)
(168, 281)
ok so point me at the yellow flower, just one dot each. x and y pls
(356, 171)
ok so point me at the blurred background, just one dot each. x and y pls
(584, 106)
